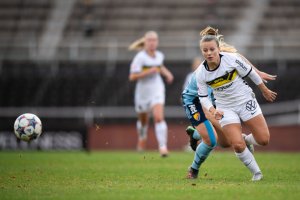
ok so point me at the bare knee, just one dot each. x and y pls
(239, 146)
(158, 119)
(264, 140)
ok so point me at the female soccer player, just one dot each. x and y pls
(224, 73)
(147, 68)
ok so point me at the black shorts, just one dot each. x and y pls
(194, 111)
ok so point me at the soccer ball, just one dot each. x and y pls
(28, 127)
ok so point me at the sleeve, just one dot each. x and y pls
(244, 69)
(203, 91)
(137, 64)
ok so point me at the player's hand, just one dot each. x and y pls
(218, 114)
(267, 77)
(269, 95)
(169, 78)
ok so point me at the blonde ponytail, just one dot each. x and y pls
(140, 43)
(224, 47)
(137, 45)
(210, 33)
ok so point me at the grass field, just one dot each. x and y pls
(131, 175)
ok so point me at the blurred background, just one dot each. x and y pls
(67, 62)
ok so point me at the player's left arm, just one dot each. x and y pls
(265, 76)
(167, 74)
(246, 70)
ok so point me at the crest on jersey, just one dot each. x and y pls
(196, 116)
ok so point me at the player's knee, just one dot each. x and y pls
(158, 119)
(239, 146)
(211, 143)
(264, 140)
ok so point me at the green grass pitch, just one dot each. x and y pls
(131, 175)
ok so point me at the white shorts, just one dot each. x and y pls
(145, 104)
(246, 111)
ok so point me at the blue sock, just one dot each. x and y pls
(196, 135)
(201, 154)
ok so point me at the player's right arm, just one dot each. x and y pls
(205, 99)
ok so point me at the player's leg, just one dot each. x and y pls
(253, 118)
(234, 133)
(192, 114)
(208, 143)
(231, 127)
(142, 129)
(259, 131)
(161, 128)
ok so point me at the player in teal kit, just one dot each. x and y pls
(202, 125)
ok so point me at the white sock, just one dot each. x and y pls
(249, 161)
(161, 132)
(142, 130)
(250, 140)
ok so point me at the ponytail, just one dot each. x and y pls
(210, 33)
(140, 43)
(137, 45)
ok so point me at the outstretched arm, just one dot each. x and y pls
(268, 94)
(265, 76)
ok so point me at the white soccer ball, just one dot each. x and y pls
(28, 127)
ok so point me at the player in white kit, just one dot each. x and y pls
(235, 100)
(147, 69)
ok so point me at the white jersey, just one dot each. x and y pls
(226, 80)
(152, 86)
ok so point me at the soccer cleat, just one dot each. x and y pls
(249, 146)
(192, 173)
(257, 176)
(193, 142)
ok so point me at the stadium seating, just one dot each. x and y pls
(21, 24)
(277, 35)
(91, 68)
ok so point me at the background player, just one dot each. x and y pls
(146, 69)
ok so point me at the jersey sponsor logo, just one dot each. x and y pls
(224, 87)
(226, 78)
(241, 65)
(251, 106)
(196, 116)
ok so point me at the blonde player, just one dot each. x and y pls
(147, 69)
(198, 116)
(235, 100)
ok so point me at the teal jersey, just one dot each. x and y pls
(190, 92)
